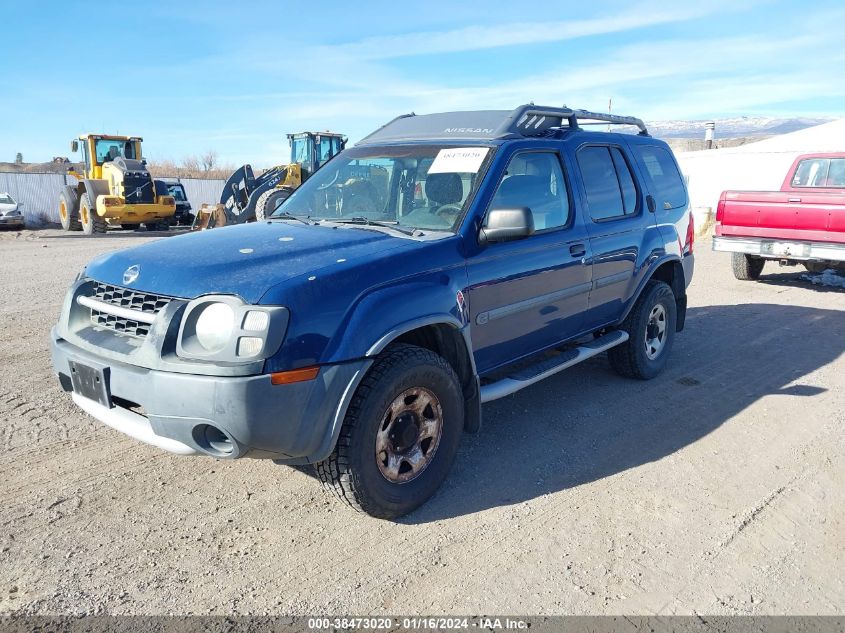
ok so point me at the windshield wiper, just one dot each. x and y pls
(290, 216)
(367, 221)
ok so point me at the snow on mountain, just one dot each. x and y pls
(739, 126)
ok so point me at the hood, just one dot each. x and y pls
(244, 260)
(5, 207)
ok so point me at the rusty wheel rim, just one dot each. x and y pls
(62, 210)
(409, 435)
(83, 211)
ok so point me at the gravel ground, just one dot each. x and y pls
(717, 488)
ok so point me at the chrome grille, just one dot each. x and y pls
(130, 300)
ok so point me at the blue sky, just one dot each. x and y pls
(236, 76)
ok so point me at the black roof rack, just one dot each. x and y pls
(525, 121)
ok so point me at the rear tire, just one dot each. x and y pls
(651, 331)
(746, 267)
(400, 434)
(69, 210)
(268, 202)
(91, 222)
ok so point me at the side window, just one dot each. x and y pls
(608, 182)
(820, 172)
(667, 185)
(535, 180)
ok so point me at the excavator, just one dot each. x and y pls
(247, 197)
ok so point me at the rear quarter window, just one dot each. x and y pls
(666, 182)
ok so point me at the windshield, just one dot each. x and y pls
(422, 187)
(178, 192)
(5, 198)
(109, 149)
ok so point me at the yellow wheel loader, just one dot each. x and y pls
(247, 198)
(114, 189)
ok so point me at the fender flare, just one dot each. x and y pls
(93, 188)
(678, 288)
(472, 386)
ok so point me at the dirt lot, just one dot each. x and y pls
(717, 488)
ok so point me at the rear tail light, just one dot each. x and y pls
(720, 210)
(690, 234)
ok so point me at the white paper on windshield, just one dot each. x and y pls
(461, 160)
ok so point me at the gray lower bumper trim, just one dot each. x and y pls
(262, 420)
(132, 424)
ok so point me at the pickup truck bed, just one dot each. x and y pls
(802, 223)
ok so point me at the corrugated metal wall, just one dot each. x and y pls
(39, 193)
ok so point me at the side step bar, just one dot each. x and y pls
(530, 375)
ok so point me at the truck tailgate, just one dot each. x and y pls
(783, 215)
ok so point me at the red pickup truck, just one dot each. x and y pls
(802, 223)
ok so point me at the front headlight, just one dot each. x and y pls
(224, 328)
(214, 326)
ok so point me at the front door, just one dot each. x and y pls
(529, 294)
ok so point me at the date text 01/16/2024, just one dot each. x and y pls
(416, 623)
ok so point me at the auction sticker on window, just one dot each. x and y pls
(461, 160)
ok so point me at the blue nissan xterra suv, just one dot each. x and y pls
(444, 261)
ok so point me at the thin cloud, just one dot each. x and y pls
(474, 38)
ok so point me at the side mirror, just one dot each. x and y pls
(503, 225)
(74, 146)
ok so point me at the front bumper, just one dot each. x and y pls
(11, 220)
(781, 249)
(132, 213)
(294, 423)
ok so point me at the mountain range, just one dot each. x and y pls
(746, 126)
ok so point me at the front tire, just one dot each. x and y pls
(400, 434)
(91, 222)
(746, 267)
(268, 202)
(651, 331)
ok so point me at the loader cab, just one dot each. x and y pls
(98, 149)
(311, 150)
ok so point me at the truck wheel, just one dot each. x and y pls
(746, 267)
(269, 202)
(69, 210)
(91, 222)
(651, 331)
(400, 434)
(816, 267)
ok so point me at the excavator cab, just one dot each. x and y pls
(247, 198)
(311, 150)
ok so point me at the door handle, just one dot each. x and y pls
(794, 200)
(577, 250)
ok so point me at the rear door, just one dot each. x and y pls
(615, 215)
(529, 294)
